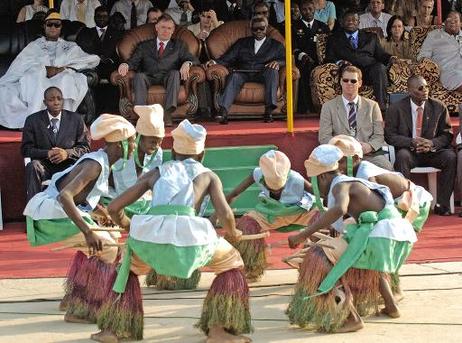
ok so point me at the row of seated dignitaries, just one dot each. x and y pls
(52, 61)
(417, 126)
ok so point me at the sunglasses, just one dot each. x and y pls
(261, 12)
(353, 81)
(258, 28)
(57, 25)
(421, 88)
(206, 16)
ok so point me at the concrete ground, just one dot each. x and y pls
(431, 311)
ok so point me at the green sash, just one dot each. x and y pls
(124, 269)
(420, 220)
(362, 250)
(271, 209)
(46, 231)
(138, 207)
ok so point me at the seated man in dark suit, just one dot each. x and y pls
(53, 139)
(256, 59)
(420, 129)
(101, 40)
(304, 37)
(160, 61)
(363, 50)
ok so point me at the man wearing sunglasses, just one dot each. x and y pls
(255, 59)
(356, 116)
(420, 129)
(45, 62)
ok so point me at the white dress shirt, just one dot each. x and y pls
(414, 116)
(347, 107)
(99, 30)
(258, 44)
(300, 55)
(368, 20)
(58, 124)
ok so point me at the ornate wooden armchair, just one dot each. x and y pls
(250, 101)
(187, 98)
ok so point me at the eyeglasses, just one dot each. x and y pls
(353, 81)
(261, 12)
(206, 16)
(57, 25)
(421, 88)
(258, 28)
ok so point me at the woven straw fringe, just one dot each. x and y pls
(253, 252)
(227, 304)
(324, 313)
(163, 282)
(122, 314)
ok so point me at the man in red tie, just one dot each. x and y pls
(420, 129)
(160, 61)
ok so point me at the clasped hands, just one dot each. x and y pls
(57, 155)
(272, 65)
(422, 145)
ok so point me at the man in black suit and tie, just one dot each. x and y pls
(256, 59)
(304, 36)
(101, 40)
(53, 139)
(420, 129)
(363, 50)
(230, 10)
(160, 61)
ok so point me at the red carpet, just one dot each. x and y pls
(440, 241)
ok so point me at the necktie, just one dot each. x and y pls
(184, 19)
(308, 26)
(418, 122)
(352, 116)
(353, 42)
(81, 12)
(54, 127)
(272, 14)
(102, 33)
(133, 19)
(160, 52)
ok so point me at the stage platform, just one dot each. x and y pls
(297, 146)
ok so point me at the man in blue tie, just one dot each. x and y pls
(356, 116)
(363, 50)
(53, 139)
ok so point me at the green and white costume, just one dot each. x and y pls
(170, 238)
(367, 170)
(380, 241)
(46, 220)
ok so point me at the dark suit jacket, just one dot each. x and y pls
(221, 9)
(436, 124)
(303, 39)
(369, 50)
(37, 137)
(146, 60)
(242, 55)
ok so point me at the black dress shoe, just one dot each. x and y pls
(268, 118)
(441, 210)
(222, 117)
(460, 214)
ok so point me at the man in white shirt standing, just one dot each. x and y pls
(80, 10)
(356, 116)
(376, 17)
(134, 11)
(254, 59)
(181, 12)
(420, 129)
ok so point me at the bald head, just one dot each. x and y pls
(418, 89)
(413, 80)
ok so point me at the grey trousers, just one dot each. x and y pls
(269, 77)
(171, 82)
(380, 161)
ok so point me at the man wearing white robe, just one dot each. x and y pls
(47, 61)
(444, 47)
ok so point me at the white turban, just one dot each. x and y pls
(275, 166)
(323, 159)
(189, 139)
(150, 121)
(111, 128)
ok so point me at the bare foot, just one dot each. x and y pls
(74, 319)
(391, 312)
(105, 337)
(398, 296)
(351, 326)
(219, 335)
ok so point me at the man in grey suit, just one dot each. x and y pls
(160, 61)
(420, 129)
(354, 115)
(53, 139)
(255, 59)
